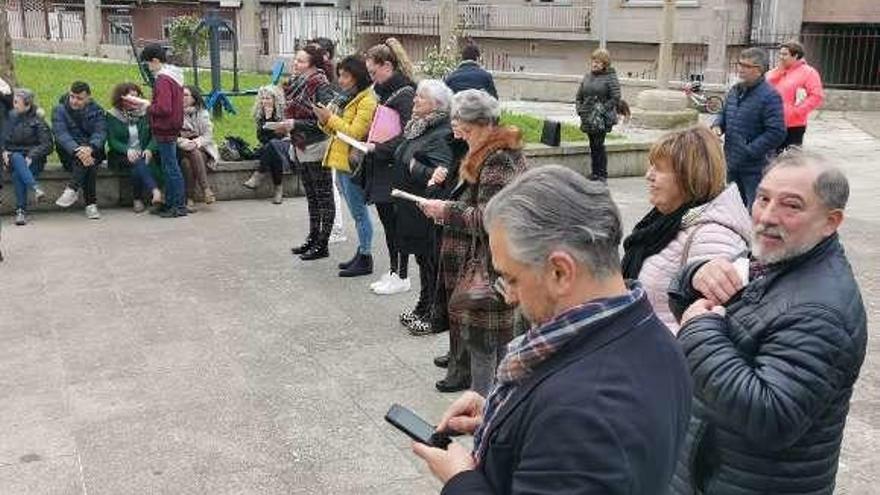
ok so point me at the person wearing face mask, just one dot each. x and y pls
(80, 131)
(25, 143)
(694, 216)
(353, 120)
(774, 350)
(596, 104)
(196, 147)
(800, 87)
(752, 124)
(274, 147)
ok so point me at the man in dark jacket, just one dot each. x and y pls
(774, 361)
(595, 397)
(469, 74)
(165, 112)
(752, 123)
(80, 132)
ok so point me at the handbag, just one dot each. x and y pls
(551, 135)
(473, 292)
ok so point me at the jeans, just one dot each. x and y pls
(23, 177)
(357, 206)
(173, 178)
(142, 180)
(82, 177)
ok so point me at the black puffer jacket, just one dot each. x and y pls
(773, 379)
(28, 134)
(599, 92)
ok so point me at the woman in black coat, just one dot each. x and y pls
(425, 147)
(27, 141)
(596, 104)
(268, 111)
(391, 71)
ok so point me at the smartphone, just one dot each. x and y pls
(415, 427)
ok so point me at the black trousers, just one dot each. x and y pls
(793, 137)
(598, 156)
(82, 177)
(318, 183)
(427, 278)
(398, 262)
(272, 162)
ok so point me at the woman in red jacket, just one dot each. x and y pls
(800, 87)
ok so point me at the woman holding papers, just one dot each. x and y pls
(351, 125)
(309, 88)
(494, 159)
(425, 147)
(391, 71)
(268, 112)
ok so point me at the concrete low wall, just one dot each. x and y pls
(563, 88)
(114, 187)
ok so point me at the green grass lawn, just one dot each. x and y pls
(50, 78)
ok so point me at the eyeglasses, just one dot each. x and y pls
(746, 65)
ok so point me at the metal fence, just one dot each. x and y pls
(38, 19)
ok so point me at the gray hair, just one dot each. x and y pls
(475, 106)
(554, 208)
(26, 95)
(758, 56)
(438, 92)
(831, 184)
(277, 96)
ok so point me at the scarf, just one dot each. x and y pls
(128, 116)
(418, 125)
(528, 351)
(501, 138)
(650, 236)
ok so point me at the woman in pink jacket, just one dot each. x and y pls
(695, 216)
(800, 87)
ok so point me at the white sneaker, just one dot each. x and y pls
(38, 194)
(395, 285)
(382, 281)
(67, 198)
(92, 212)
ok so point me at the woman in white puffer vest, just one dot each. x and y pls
(695, 215)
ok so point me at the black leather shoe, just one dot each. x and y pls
(362, 265)
(442, 361)
(448, 387)
(346, 264)
(315, 253)
(302, 248)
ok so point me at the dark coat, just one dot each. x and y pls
(28, 134)
(430, 150)
(470, 75)
(773, 378)
(377, 170)
(600, 90)
(72, 129)
(596, 418)
(753, 126)
(165, 114)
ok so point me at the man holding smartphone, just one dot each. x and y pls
(595, 397)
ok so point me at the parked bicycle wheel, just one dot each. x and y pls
(714, 104)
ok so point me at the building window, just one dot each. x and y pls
(119, 26)
(658, 3)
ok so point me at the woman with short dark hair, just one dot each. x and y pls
(596, 103)
(196, 143)
(800, 87)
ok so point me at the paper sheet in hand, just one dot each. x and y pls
(272, 125)
(352, 142)
(397, 193)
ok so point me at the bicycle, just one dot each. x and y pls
(705, 103)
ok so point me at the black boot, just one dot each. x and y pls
(317, 251)
(302, 248)
(346, 264)
(362, 265)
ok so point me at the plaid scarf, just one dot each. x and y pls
(528, 351)
(418, 125)
(301, 93)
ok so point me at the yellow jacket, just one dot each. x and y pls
(355, 122)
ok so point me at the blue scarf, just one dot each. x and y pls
(528, 351)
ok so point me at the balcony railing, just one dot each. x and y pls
(481, 17)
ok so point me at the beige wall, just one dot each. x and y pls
(693, 24)
(831, 11)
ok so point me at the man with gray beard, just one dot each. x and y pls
(774, 357)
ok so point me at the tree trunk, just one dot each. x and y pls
(7, 63)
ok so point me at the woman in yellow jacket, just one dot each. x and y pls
(354, 121)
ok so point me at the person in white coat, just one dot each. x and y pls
(695, 215)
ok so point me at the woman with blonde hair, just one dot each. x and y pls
(695, 216)
(596, 103)
(392, 72)
(274, 146)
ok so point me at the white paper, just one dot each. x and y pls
(742, 269)
(353, 142)
(272, 125)
(397, 193)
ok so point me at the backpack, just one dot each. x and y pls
(234, 149)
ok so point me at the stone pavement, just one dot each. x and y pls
(195, 356)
